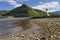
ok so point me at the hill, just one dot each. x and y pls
(3, 12)
(56, 13)
(25, 11)
(41, 13)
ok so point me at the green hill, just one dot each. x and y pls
(41, 13)
(3, 12)
(25, 11)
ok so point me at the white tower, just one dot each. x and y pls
(47, 12)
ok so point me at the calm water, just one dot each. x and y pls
(7, 27)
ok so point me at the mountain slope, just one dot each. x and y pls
(24, 11)
(57, 13)
(41, 13)
(3, 12)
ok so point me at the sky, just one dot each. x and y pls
(51, 5)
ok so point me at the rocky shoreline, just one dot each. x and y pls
(39, 29)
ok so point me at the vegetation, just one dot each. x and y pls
(41, 13)
(10, 17)
(3, 12)
(25, 11)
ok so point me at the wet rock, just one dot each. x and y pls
(23, 36)
(43, 38)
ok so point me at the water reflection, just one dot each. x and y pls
(9, 26)
(23, 23)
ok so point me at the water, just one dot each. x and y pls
(7, 27)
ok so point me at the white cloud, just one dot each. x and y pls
(21, 0)
(48, 5)
(14, 2)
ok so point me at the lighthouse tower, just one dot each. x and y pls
(47, 12)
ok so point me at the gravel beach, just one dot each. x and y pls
(45, 28)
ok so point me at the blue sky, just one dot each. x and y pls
(51, 5)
